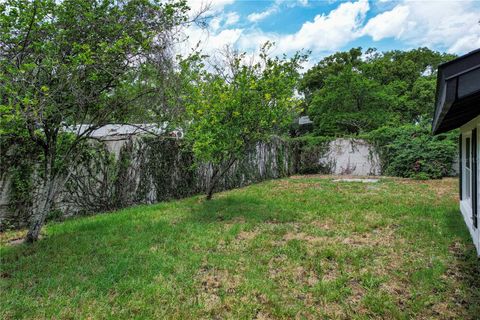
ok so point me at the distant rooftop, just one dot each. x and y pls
(304, 120)
(113, 130)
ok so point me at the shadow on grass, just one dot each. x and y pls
(130, 247)
(245, 207)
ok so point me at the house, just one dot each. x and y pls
(458, 106)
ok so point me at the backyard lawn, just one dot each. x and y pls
(303, 247)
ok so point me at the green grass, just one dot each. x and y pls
(302, 247)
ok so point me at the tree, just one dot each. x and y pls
(314, 79)
(236, 105)
(69, 67)
(354, 92)
(349, 103)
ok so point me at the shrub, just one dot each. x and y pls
(308, 150)
(411, 151)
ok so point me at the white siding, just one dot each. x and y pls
(465, 203)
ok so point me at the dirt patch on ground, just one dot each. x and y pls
(462, 274)
(442, 188)
(262, 315)
(16, 242)
(356, 296)
(19, 241)
(377, 237)
(240, 241)
(283, 271)
(214, 281)
(323, 224)
(303, 276)
(330, 271)
(246, 235)
(10, 237)
(302, 236)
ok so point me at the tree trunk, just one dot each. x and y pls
(210, 189)
(211, 184)
(216, 177)
(42, 208)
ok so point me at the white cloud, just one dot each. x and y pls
(328, 32)
(294, 3)
(220, 21)
(325, 34)
(388, 24)
(451, 26)
(209, 42)
(466, 43)
(231, 18)
(257, 16)
(215, 23)
(444, 25)
(216, 35)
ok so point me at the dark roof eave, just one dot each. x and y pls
(446, 104)
(454, 101)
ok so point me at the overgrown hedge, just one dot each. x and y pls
(308, 150)
(411, 151)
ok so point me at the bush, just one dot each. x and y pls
(411, 151)
(308, 150)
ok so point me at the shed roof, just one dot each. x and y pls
(458, 92)
(109, 130)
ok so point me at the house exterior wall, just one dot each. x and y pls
(467, 184)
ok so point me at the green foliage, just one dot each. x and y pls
(307, 151)
(349, 103)
(69, 63)
(18, 161)
(170, 166)
(229, 113)
(411, 151)
(80, 58)
(230, 110)
(346, 94)
(315, 77)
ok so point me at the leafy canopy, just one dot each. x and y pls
(69, 67)
(355, 91)
(233, 105)
(232, 108)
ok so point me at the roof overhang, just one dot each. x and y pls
(458, 92)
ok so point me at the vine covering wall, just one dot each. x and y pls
(119, 173)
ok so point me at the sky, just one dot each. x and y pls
(326, 26)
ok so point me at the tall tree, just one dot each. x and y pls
(238, 104)
(314, 78)
(356, 91)
(69, 67)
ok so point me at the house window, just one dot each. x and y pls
(468, 174)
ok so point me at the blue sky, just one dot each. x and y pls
(324, 27)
